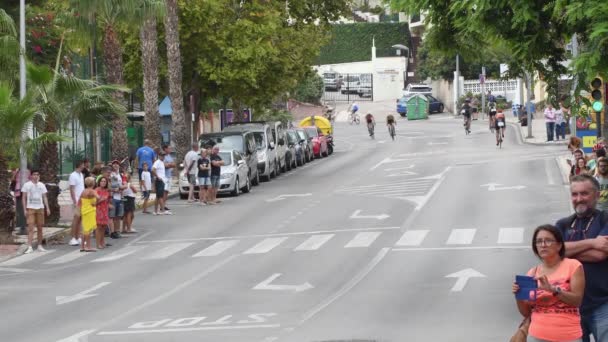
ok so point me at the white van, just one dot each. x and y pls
(351, 84)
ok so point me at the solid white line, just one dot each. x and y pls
(76, 337)
(275, 235)
(464, 248)
(461, 237)
(71, 256)
(157, 331)
(412, 237)
(510, 235)
(25, 258)
(380, 163)
(217, 248)
(168, 251)
(364, 239)
(314, 242)
(548, 172)
(433, 189)
(265, 245)
(119, 254)
(347, 287)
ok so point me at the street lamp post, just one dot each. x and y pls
(24, 135)
(400, 47)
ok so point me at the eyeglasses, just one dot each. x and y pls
(546, 242)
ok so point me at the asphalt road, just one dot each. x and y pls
(412, 240)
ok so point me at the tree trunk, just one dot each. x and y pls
(7, 202)
(149, 55)
(49, 169)
(179, 129)
(114, 72)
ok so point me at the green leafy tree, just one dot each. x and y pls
(310, 89)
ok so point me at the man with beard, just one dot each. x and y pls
(586, 239)
(602, 179)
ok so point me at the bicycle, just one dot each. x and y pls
(467, 125)
(354, 118)
(500, 134)
(391, 130)
(370, 129)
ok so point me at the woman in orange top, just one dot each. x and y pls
(561, 283)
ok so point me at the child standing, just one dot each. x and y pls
(102, 207)
(146, 185)
(129, 198)
(88, 201)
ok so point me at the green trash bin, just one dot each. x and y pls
(417, 107)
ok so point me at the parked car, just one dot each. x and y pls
(291, 155)
(305, 144)
(435, 106)
(268, 165)
(299, 148)
(351, 84)
(412, 89)
(365, 86)
(319, 141)
(242, 142)
(278, 136)
(332, 81)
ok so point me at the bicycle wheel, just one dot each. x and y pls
(391, 131)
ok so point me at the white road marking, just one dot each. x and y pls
(158, 331)
(347, 287)
(548, 168)
(76, 337)
(59, 300)
(413, 237)
(267, 285)
(265, 246)
(462, 278)
(217, 248)
(364, 239)
(510, 235)
(68, 257)
(167, 251)
(463, 248)
(314, 242)
(25, 258)
(119, 254)
(13, 270)
(461, 237)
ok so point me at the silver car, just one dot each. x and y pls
(234, 178)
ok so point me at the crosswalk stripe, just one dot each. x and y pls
(216, 249)
(393, 191)
(314, 242)
(68, 257)
(167, 251)
(363, 239)
(25, 258)
(119, 254)
(510, 235)
(412, 237)
(265, 246)
(461, 236)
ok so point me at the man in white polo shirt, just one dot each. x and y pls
(33, 195)
(76, 182)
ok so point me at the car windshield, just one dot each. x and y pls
(228, 142)
(302, 135)
(312, 131)
(329, 76)
(420, 89)
(292, 137)
(226, 157)
(352, 79)
(260, 140)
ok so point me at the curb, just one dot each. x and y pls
(518, 128)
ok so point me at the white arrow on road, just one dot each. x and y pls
(400, 168)
(356, 215)
(80, 295)
(463, 277)
(282, 197)
(498, 187)
(266, 285)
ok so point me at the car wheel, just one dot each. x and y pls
(247, 187)
(441, 109)
(237, 188)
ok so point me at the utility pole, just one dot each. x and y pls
(457, 85)
(483, 92)
(24, 134)
(528, 77)
(574, 42)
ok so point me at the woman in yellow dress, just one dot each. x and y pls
(88, 200)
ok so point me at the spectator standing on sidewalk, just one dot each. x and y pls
(35, 202)
(145, 154)
(585, 235)
(190, 163)
(169, 166)
(146, 187)
(158, 170)
(88, 201)
(531, 107)
(76, 182)
(86, 169)
(598, 152)
(117, 208)
(602, 178)
(15, 187)
(550, 121)
(204, 179)
(102, 212)
(560, 124)
(216, 172)
(129, 202)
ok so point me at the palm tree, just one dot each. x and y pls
(9, 48)
(109, 14)
(152, 10)
(61, 98)
(179, 129)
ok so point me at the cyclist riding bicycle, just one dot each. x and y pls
(369, 118)
(391, 123)
(500, 126)
(492, 114)
(354, 107)
(466, 113)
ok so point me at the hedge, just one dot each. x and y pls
(353, 42)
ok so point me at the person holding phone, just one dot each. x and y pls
(561, 283)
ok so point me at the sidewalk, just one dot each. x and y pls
(539, 130)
